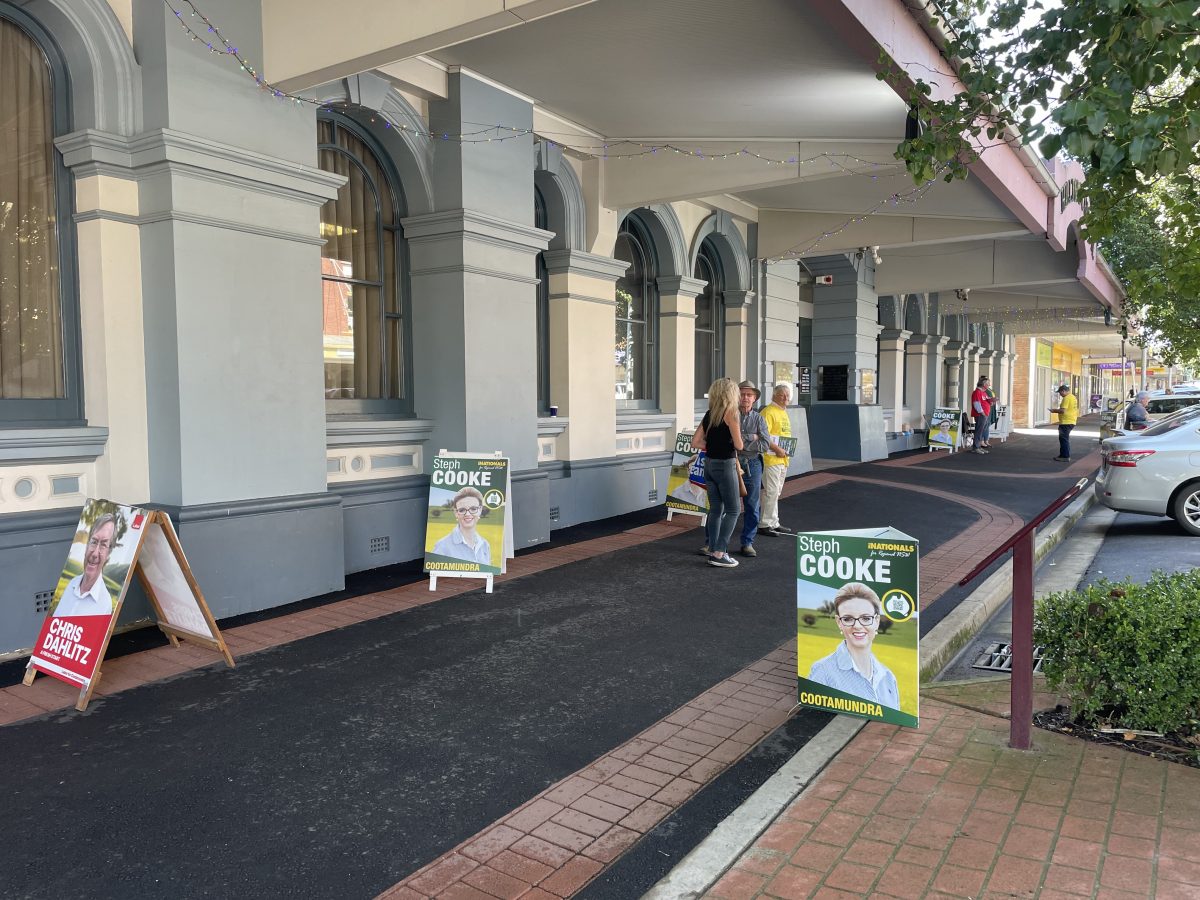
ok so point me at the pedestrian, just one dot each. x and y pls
(756, 440)
(719, 435)
(775, 465)
(981, 410)
(1136, 417)
(1068, 414)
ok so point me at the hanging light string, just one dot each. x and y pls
(201, 29)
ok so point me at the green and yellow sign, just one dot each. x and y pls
(468, 502)
(686, 489)
(857, 631)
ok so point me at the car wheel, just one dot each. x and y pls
(1186, 509)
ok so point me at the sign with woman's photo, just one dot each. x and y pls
(465, 528)
(89, 593)
(944, 429)
(857, 634)
(686, 490)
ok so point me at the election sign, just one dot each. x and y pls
(468, 527)
(686, 491)
(89, 593)
(943, 429)
(857, 632)
(111, 543)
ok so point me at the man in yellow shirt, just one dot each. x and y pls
(775, 467)
(1068, 414)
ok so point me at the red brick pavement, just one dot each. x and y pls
(950, 811)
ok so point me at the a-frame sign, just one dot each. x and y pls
(112, 542)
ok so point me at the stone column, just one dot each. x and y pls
(972, 374)
(737, 328)
(891, 376)
(936, 374)
(845, 329)
(677, 348)
(953, 352)
(917, 353)
(582, 306)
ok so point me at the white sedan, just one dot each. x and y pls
(1155, 472)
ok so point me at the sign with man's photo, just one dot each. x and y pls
(465, 531)
(89, 593)
(944, 429)
(857, 632)
(111, 543)
(686, 489)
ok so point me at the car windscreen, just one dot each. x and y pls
(1181, 419)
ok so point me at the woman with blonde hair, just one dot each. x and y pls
(719, 435)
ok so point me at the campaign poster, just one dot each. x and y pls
(857, 632)
(686, 490)
(176, 601)
(464, 527)
(89, 592)
(943, 428)
(788, 445)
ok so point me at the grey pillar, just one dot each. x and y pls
(845, 329)
(474, 294)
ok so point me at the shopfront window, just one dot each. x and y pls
(365, 343)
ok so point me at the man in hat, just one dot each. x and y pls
(1068, 414)
(756, 440)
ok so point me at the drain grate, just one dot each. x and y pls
(997, 657)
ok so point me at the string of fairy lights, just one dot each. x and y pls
(203, 31)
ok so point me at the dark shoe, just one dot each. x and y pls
(783, 531)
(723, 562)
(748, 550)
(769, 532)
(704, 551)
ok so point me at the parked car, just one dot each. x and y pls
(1155, 472)
(1158, 406)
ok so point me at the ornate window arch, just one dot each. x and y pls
(364, 274)
(710, 318)
(40, 380)
(636, 345)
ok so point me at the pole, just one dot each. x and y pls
(1021, 696)
(1145, 368)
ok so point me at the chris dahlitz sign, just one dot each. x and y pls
(857, 631)
(90, 591)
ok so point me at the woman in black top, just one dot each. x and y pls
(719, 435)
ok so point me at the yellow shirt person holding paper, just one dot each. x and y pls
(1068, 414)
(775, 467)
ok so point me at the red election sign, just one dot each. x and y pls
(89, 594)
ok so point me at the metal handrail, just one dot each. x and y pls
(1029, 527)
(1020, 721)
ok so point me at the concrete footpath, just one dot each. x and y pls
(578, 732)
(949, 810)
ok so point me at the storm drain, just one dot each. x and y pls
(997, 657)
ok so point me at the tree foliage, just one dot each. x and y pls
(1112, 83)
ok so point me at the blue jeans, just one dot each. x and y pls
(750, 503)
(983, 430)
(720, 478)
(1064, 440)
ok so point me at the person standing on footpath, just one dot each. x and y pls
(756, 440)
(775, 466)
(981, 410)
(1068, 414)
(720, 437)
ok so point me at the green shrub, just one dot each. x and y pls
(1126, 654)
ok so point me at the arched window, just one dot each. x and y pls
(636, 347)
(39, 330)
(710, 319)
(363, 274)
(540, 220)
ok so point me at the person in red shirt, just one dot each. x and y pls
(981, 410)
